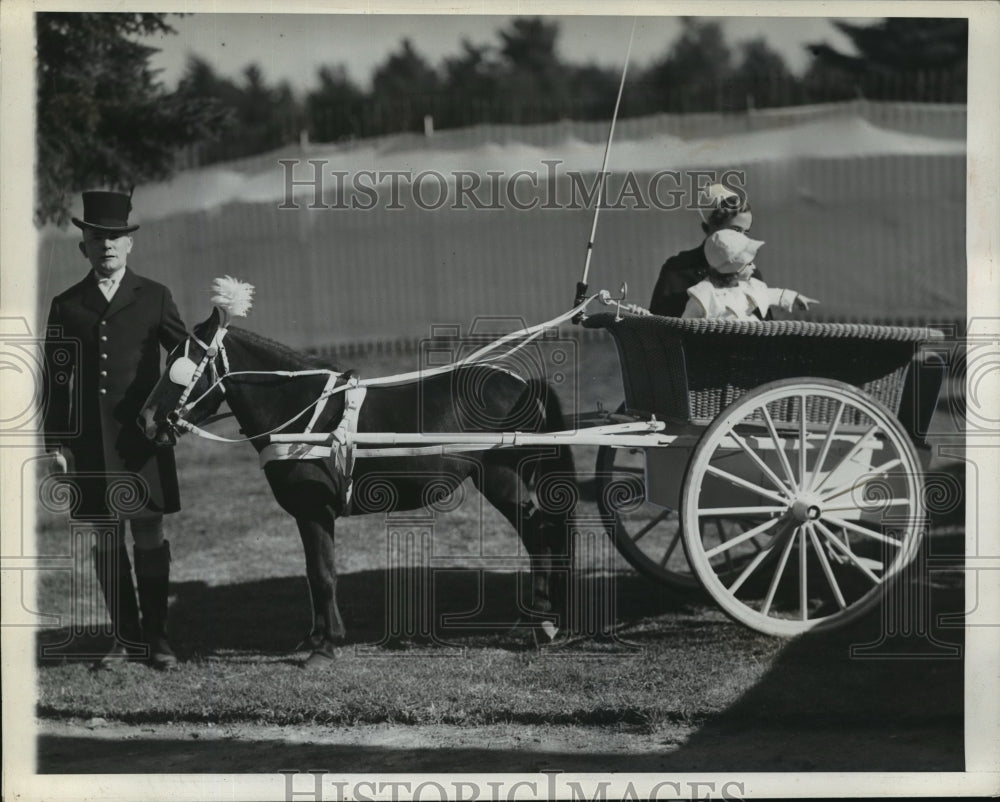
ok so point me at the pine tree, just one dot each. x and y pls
(912, 58)
(404, 89)
(103, 117)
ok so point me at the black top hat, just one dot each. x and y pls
(106, 211)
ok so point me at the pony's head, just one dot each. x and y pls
(192, 388)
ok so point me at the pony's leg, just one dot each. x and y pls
(328, 629)
(545, 536)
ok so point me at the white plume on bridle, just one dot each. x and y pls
(232, 296)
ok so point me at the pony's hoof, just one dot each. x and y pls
(545, 634)
(309, 643)
(318, 660)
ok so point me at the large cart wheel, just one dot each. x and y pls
(648, 535)
(828, 484)
(645, 534)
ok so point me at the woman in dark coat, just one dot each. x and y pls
(103, 358)
(726, 209)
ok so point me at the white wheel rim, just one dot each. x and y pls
(815, 525)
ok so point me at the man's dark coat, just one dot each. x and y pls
(102, 361)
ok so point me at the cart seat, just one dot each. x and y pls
(691, 369)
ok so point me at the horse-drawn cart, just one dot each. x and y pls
(773, 463)
(791, 479)
(773, 451)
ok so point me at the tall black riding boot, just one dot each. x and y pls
(152, 571)
(114, 573)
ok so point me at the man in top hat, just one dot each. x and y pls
(119, 321)
(725, 210)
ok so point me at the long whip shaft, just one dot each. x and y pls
(581, 287)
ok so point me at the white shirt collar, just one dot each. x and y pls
(115, 277)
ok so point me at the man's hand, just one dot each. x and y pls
(802, 302)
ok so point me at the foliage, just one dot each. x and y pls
(899, 58)
(103, 118)
(259, 117)
(691, 74)
(404, 89)
(333, 109)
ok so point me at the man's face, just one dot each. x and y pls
(106, 252)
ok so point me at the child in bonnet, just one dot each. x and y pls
(729, 292)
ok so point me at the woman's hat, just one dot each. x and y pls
(719, 206)
(729, 251)
(106, 211)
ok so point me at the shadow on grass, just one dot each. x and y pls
(899, 691)
(885, 694)
(448, 606)
(896, 705)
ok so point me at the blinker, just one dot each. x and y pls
(182, 371)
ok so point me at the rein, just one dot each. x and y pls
(217, 349)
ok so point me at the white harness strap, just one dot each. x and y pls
(342, 446)
(331, 380)
(343, 435)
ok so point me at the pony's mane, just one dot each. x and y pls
(295, 359)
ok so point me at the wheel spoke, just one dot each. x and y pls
(803, 575)
(732, 512)
(849, 455)
(862, 530)
(722, 539)
(748, 535)
(645, 530)
(827, 568)
(736, 480)
(764, 467)
(670, 549)
(782, 457)
(827, 442)
(831, 538)
(896, 502)
(802, 440)
(776, 579)
(752, 566)
(877, 473)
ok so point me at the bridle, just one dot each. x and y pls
(186, 373)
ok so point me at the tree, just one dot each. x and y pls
(333, 108)
(593, 90)
(404, 89)
(268, 115)
(259, 117)
(471, 83)
(533, 76)
(103, 118)
(762, 75)
(910, 58)
(693, 74)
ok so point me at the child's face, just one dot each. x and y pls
(746, 271)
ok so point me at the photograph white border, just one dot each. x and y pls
(18, 287)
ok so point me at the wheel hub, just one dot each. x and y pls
(806, 507)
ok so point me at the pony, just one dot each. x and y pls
(271, 389)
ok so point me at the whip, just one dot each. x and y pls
(581, 285)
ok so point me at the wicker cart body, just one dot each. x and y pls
(789, 443)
